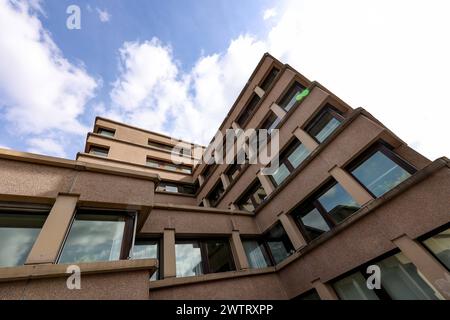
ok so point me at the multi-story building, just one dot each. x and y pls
(350, 201)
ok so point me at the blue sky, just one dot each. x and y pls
(176, 67)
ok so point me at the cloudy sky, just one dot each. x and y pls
(176, 67)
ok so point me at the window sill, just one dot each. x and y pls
(39, 271)
(172, 282)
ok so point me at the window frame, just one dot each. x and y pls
(261, 241)
(430, 234)
(214, 189)
(265, 83)
(128, 231)
(159, 251)
(313, 201)
(249, 194)
(100, 128)
(202, 242)
(181, 187)
(386, 150)
(104, 148)
(178, 167)
(328, 108)
(286, 91)
(248, 112)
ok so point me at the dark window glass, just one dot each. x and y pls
(290, 159)
(439, 244)
(95, 237)
(207, 171)
(256, 253)
(248, 110)
(106, 132)
(309, 295)
(380, 173)
(325, 209)
(324, 124)
(196, 257)
(168, 166)
(290, 97)
(99, 151)
(176, 188)
(160, 145)
(18, 232)
(233, 171)
(279, 244)
(271, 123)
(252, 198)
(269, 78)
(215, 194)
(147, 249)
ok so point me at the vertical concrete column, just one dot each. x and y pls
(361, 195)
(266, 183)
(429, 267)
(294, 234)
(306, 139)
(325, 291)
(259, 91)
(279, 111)
(169, 259)
(238, 250)
(201, 180)
(225, 180)
(56, 226)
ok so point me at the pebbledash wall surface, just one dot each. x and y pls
(349, 194)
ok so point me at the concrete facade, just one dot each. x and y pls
(122, 180)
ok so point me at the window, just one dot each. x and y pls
(439, 245)
(248, 110)
(215, 194)
(269, 78)
(252, 198)
(290, 97)
(146, 249)
(278, 243)
(99, 151)
(380, 170)
(106, 132)
(160, 145)
(207, 171)
(325, 210)
(196, 257)
(324, 124)
(98, 236)
(400, 280)
(160, 164)
(233, 171)
(18, 232)
(176, 188)
(271, 123)
(309, 295)
(290, 159)
(256, 253)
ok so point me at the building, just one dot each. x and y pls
(349, 194)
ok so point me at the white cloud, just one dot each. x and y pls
(269, 13)
(103, 15)
(40, 90)
(392, 62)
(4, 147)
(46, 146)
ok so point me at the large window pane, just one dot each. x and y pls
(280, 174)
(440, 246)
(94, 238)
(399, 277)
(298, 155)
(219, 256)
(313, 222)
(18, 232)
(380, 174)
(289, 99)
(354, 287)
(279, 244)
(256, 254)
(188, 259)
(338, 203)
(146, 249)
(325, 125)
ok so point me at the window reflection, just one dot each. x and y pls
(354, 287)
(279, 244)
(147, 249)
(439, 244)
(94, 238)
(380, 174)
(188, 259)
(18, 232)
(256, 254)
(338, 203)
